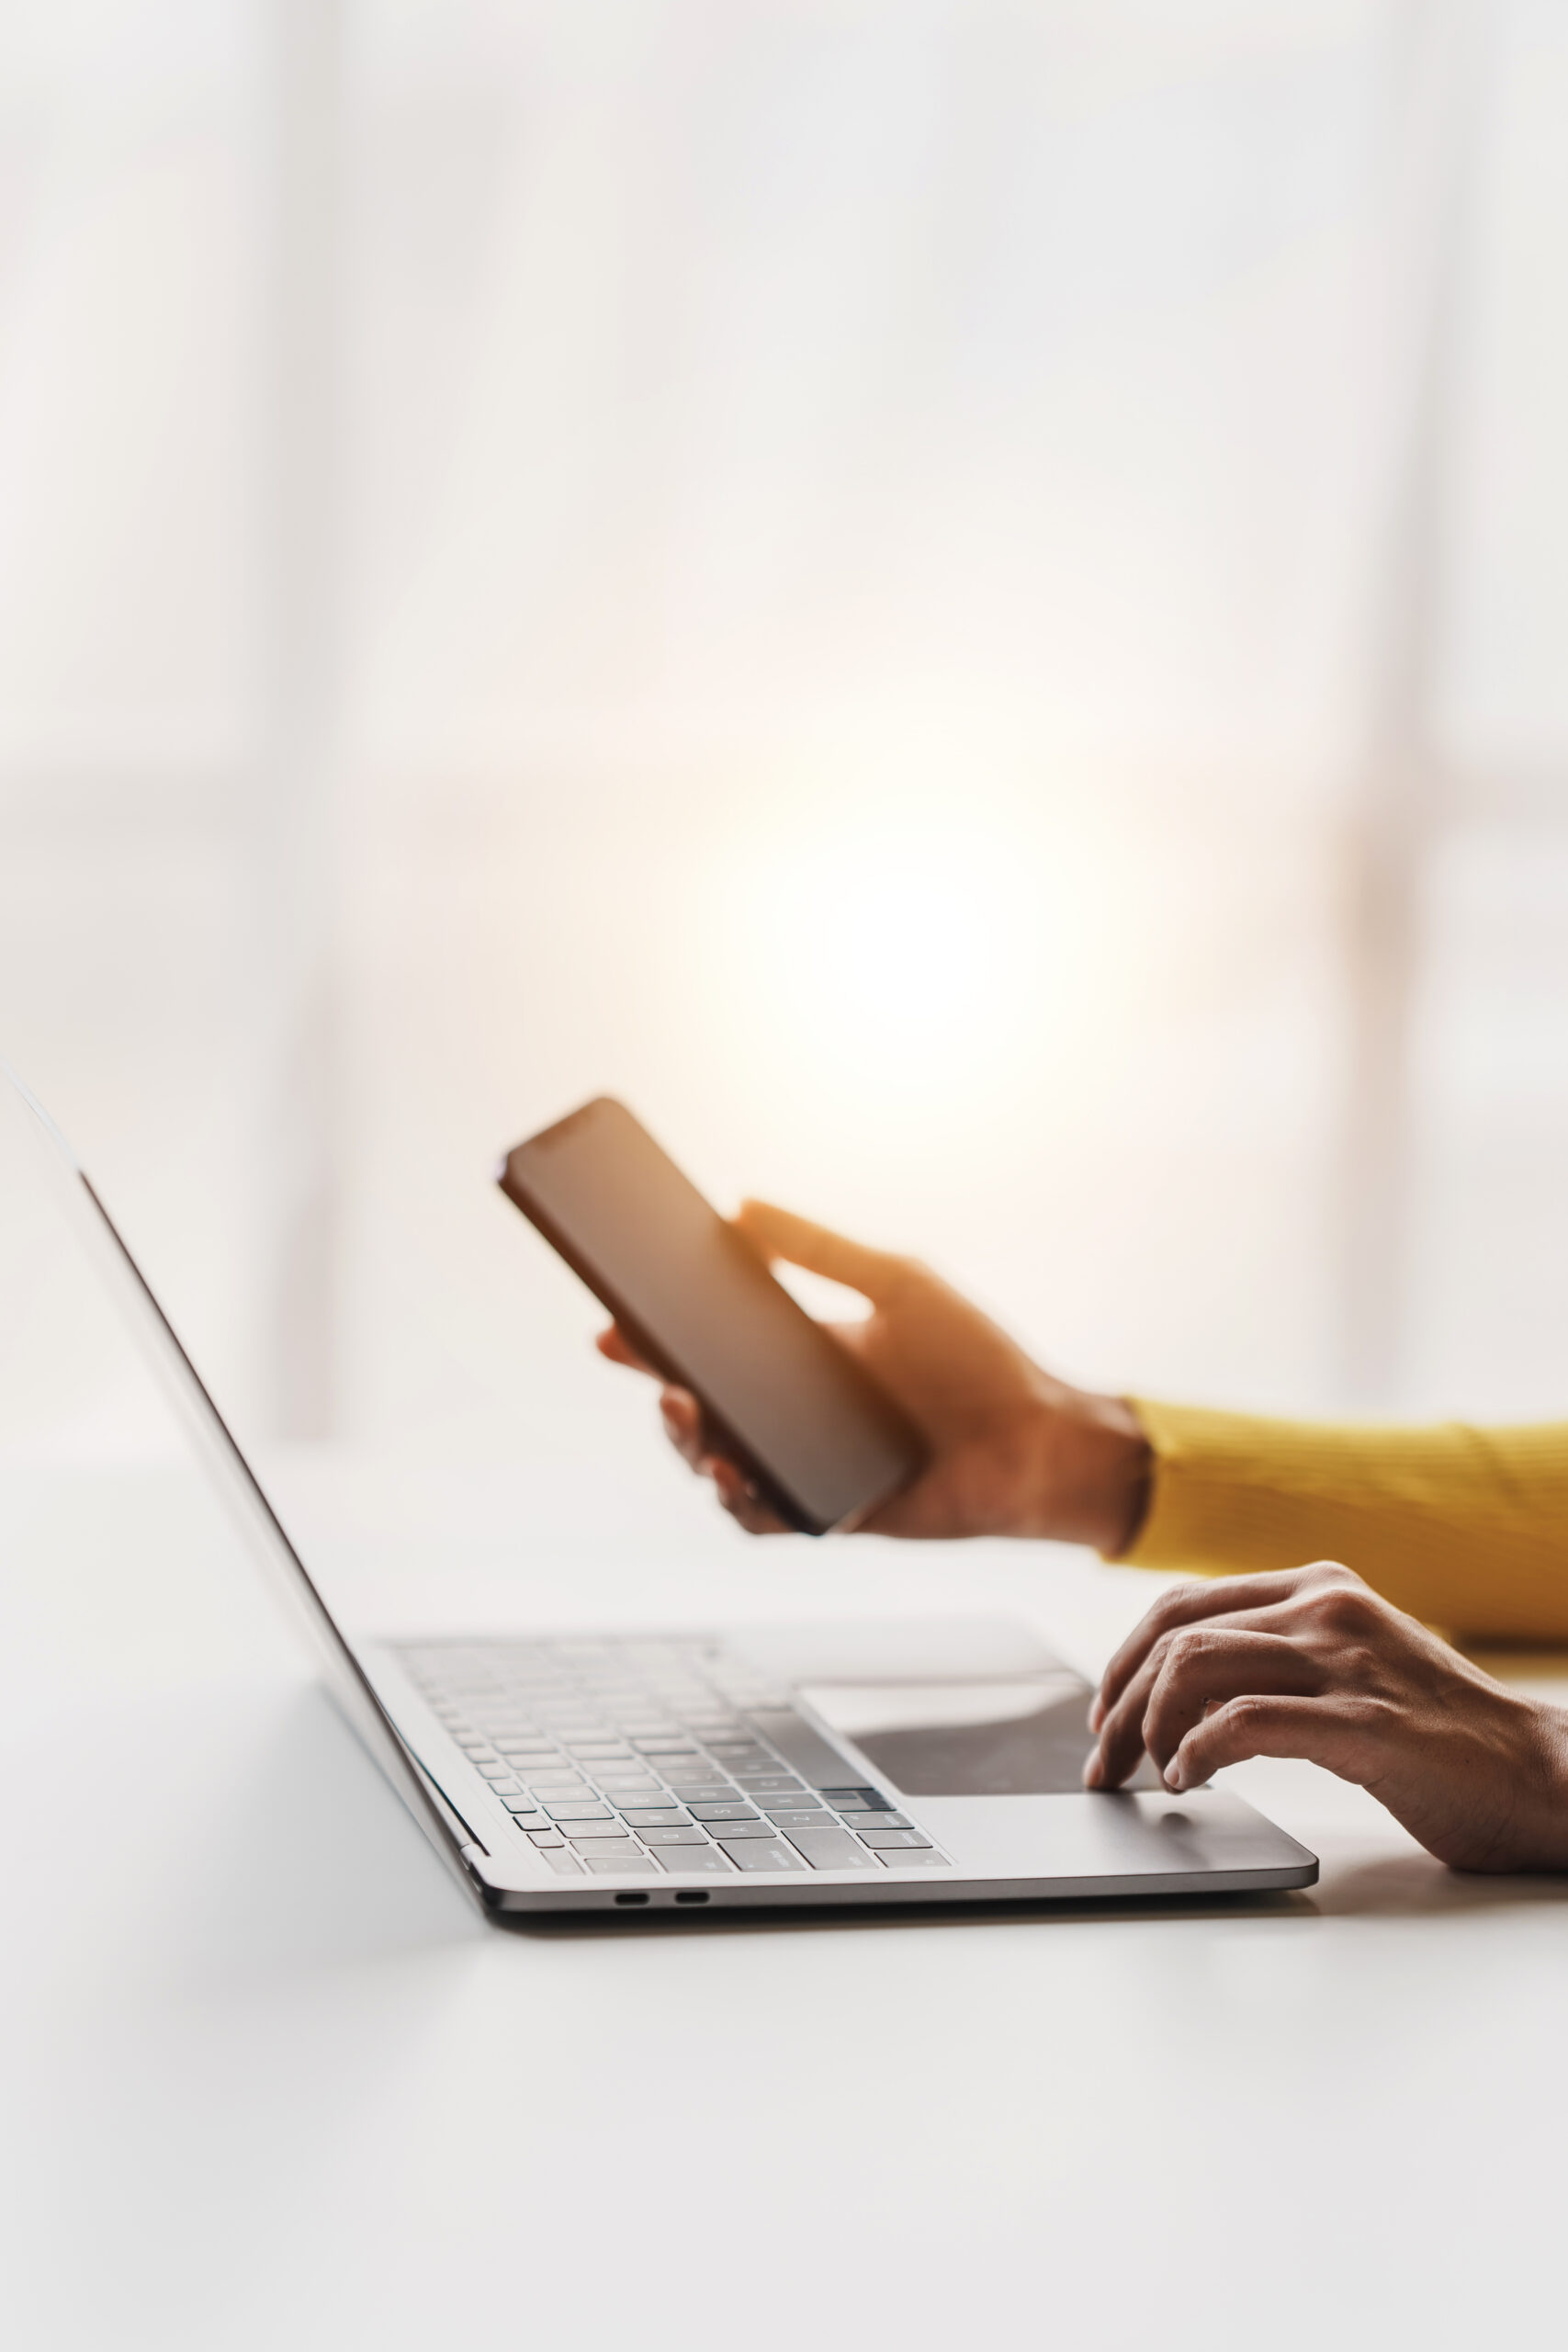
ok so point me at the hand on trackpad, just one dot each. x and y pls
(1028, 1737)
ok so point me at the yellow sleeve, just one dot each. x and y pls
(1466, 1528)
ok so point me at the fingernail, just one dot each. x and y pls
(1173, 1773)
(1093, 1771)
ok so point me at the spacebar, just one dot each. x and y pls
(821, 1766)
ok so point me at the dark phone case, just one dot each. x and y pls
(721, 1438)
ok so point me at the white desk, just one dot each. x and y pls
(249, 2106)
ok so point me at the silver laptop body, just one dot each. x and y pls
(928, 1762)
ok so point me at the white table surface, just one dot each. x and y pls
(254, 2100)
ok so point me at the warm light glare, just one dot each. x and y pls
(917, 953)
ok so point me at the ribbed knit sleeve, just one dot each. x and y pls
(1466, 1528)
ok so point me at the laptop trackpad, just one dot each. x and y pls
(1027, 1736)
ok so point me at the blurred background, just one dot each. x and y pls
(964, 600)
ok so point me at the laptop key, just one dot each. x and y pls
(751, 1828)
(701, 1792)
(792, 1817)
(560, 1859)
(764, 1854)
(578, 1809)
(628, 1866)
(830, 1847)
(668, 1817)
(658, 1835)
(700, 1861)
(880, 1840)
(722, 1813)
(853, 1800)
(924, 1858)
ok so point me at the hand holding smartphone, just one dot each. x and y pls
(821, 1441)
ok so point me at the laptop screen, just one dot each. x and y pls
(286, 1573)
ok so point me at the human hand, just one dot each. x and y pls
(1311, 1663)
(1013, 1451)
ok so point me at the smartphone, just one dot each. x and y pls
(821, 1442)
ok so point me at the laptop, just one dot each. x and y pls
(903, 1763)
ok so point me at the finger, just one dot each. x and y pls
(687, 1432)
(779, 1233)
(1321, 1731)
(741, 1500)
(614, 1344)
(1189, 1604)
(1207, 1667)
(1187, 1673)
(683, 1418)
(1275, 1620)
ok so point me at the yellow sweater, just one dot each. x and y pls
(1466, 1528)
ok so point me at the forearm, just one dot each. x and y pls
(1465, 1528)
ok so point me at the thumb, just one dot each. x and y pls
(779, 1233)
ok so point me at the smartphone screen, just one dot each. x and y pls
(822, 1440)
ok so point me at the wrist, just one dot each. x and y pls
(1504, 1804)
(1093, 1468)
(1540, 1829)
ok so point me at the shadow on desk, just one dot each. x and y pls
(306, 1858)
(319, 1862)
(1393, 1889)
(889, 1917)
(1414, 1886)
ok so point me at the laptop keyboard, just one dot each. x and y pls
(637, 1757)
